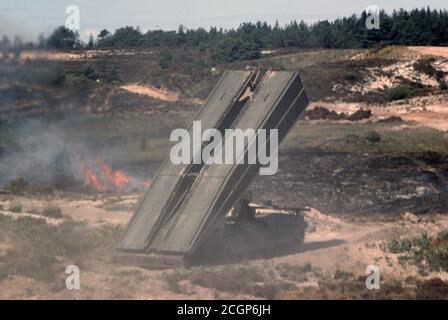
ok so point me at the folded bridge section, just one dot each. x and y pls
(186, 202)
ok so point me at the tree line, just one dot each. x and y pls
(401, 27)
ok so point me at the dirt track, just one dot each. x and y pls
(436, 51)
(161, 94)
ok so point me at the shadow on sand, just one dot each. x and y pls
(220, 258)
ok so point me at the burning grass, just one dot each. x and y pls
(101, 153)
(117, 153)
(101, 177)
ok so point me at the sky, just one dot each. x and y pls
(31, 18)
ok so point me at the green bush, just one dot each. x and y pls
(373, 136)
(165, 59)
(54, 75)
(427, 253)
(52, 212)
(233, 49)
(63, 38)
(399, 246)
(351, 138)
(343, 275)
(400, 92)
(16, 207)
(426, 66)
(112, 72)
(79, 82)
(88, 70)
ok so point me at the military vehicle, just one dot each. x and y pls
(199, 211)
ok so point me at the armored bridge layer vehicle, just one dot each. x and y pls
(199, 211)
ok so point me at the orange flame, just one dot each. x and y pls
(101, 177)
(117, 179)
(92, 180)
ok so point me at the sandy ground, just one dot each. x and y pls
(404, 69)
(332, 243)
(429, 111)
(74, 55)
(149, 91)
(338, 244)
(436, 51)
(93, 209)
(437, 120)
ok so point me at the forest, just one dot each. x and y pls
(401, 27)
